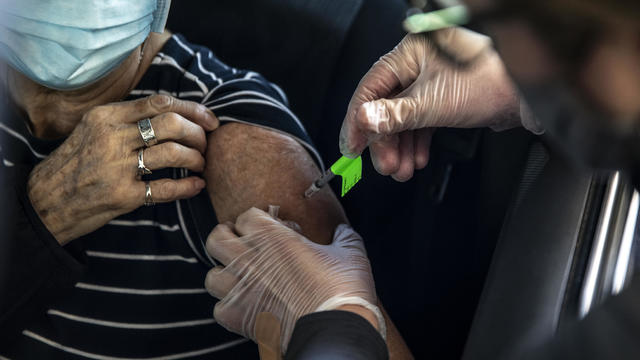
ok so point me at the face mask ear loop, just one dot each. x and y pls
(141, 56)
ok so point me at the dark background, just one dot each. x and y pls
(430, 239)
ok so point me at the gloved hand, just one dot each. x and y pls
(270, 267)
(451, 78)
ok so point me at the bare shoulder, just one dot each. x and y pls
(252, 166)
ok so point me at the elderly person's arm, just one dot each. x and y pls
(80, 187)
(249, 166)
(87, 181)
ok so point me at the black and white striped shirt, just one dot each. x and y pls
(141, 293)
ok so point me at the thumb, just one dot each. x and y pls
(462, 44)
(393, 73)
(381, 81)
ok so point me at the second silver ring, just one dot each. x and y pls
(147, 133)
(148, 199)
(142, 169)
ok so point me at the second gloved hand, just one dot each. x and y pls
(270, 267)
(451, 78)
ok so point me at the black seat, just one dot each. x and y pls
(560, 253)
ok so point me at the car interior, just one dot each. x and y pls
(499, 231)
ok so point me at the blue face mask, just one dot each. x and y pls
(66, 45)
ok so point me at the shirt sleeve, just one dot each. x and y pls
(34, 268)
(235, 96)
(335, 335)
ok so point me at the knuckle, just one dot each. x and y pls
(249, 216)
(211, 241)
(161, 102)
(422, 159)
(97, 114)
(175, 125)
(402, 177)
(385, 161)
(172, 153)
(168, 190)
(385, 166)
(217, 235)
(218, 314)
(209, 280)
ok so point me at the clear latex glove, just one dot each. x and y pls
(450, 78)
(269, 267)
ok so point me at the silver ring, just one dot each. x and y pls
(142, 169)
(147, 133)
(148, 200)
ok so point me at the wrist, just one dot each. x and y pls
(41, 209)
(367, 314)
(354, 304)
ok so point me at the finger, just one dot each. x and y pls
(379, 82)
(219, 282)
(172, 154)
(172, 126)
(132, 111)
(461, 44)
(407, 59)
(224, 245)
(255, 220)
(231, 316)
(397, 69)
(385, 154)
(407, 162)
(219, 234)
(389, 116)
(166, 190)
(422, 145)
(352, 140)
(360, 131)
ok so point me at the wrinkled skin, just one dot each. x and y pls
(91, 178)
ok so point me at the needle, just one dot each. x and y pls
(319, 183)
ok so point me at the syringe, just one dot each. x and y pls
(319, 183)
(349, 169)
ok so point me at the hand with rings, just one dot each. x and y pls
(96, 174)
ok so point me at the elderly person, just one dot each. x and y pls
(103, 112)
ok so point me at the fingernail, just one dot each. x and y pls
(161, 101)
(199, 183)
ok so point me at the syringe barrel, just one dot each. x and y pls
(319, 183)
(324, 179)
